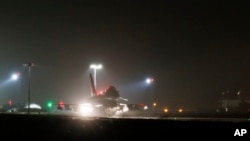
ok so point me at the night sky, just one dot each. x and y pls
(194, 50)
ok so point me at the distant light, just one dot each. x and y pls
(60, 105)
(15, 76)
(10, 102)
(49, 104)
(86, 109)
(125, 108)
(238, 93)
(141, 105)
(226, 109)
(100, 93)
(34, 106)
(149, 80)
(180, 110)
(61, 102)
(154, 104)
(94, 66)
(165, 110)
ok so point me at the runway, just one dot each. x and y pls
(71, 127)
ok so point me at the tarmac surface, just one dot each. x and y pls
(59, 127)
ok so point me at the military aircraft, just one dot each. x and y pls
(108, 103)
(105, 104)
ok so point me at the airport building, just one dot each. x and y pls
(233, 105)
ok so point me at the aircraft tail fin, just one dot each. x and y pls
(92, 85)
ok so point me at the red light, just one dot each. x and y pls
(10, 102)
(152, 79)
(142, 105)
(101, 93)
(60, 105)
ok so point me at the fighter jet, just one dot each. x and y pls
(108, 102)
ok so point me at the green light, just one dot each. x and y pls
(49, 104)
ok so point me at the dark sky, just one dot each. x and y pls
(194, 50)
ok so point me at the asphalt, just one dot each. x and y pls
(58, 127)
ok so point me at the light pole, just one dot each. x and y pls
(29, 65)
(15, 77)
(150, 81)
(95, 67)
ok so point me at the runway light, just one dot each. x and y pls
(180, 110)
(49, 104)
(154, 104)
(60, 105)
(165, 110)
